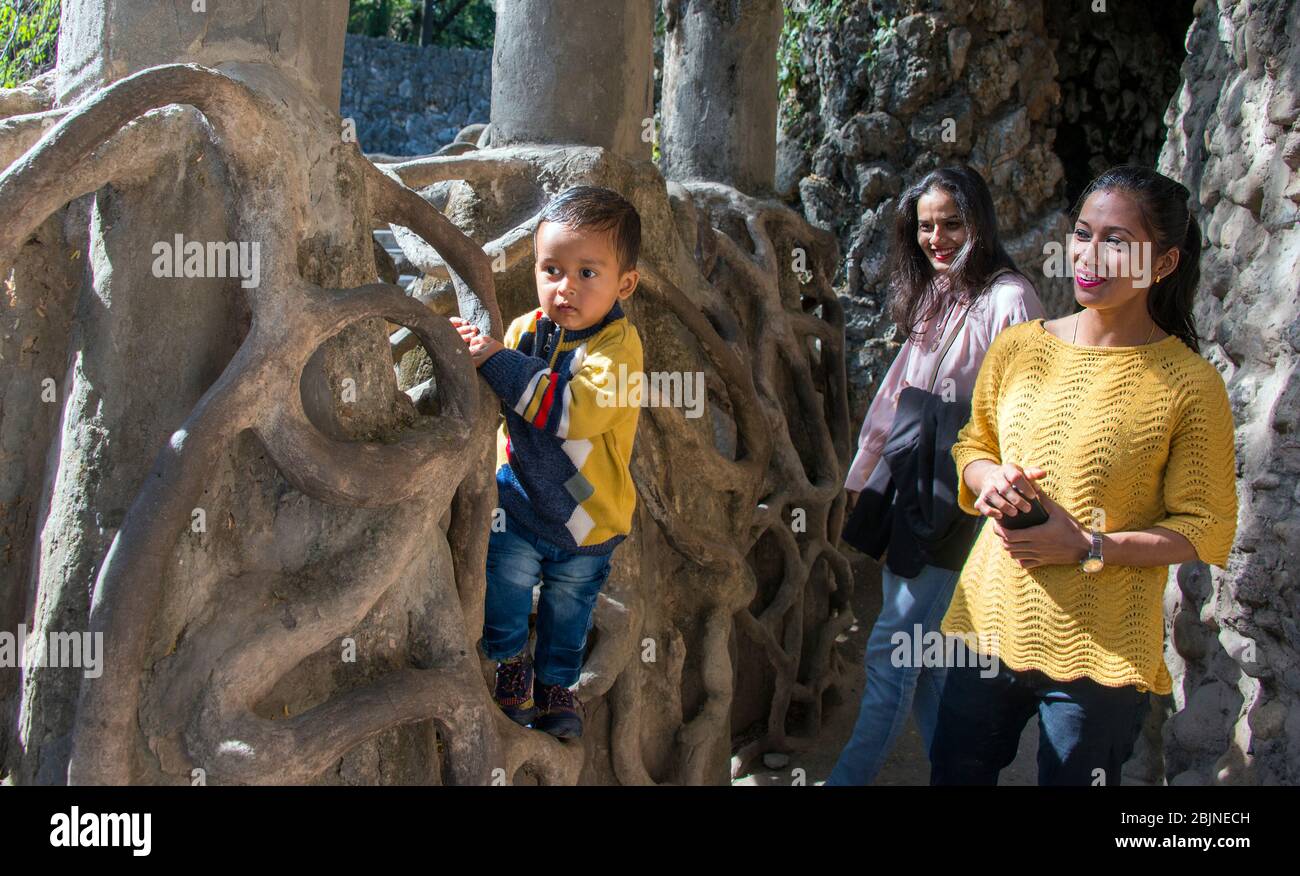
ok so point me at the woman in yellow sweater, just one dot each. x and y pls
(1115, 425)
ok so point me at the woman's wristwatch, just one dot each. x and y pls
(1093, 562)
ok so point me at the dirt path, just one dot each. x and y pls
(907, 763)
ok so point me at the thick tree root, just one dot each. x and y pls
(732, 554)
(113, 137)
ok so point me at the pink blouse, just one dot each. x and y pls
(1010, 300)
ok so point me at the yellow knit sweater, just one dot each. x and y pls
(1143, 433)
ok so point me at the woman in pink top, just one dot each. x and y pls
(946, 260)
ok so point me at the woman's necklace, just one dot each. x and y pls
(1150, 334)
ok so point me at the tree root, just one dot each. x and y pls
(770, 452)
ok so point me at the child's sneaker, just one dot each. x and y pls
(514, 688)
(558, 711)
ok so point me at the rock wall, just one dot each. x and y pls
(1234, 141)
(410, 100)
(1117, 73)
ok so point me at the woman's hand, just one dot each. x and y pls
(1005, 490)
(850, 501)
(1061, 541)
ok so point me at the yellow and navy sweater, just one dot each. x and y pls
(565, 446)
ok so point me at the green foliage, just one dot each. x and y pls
(458, 23)
(29, 33)
(474, 27)
(805, 22)
(884, 33)
(375, 18)
(803, 18)
(789, 60)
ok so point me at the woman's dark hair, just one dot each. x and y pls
(982, 255)
(1163, 204)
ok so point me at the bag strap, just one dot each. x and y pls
(947, 346)
(937, 365)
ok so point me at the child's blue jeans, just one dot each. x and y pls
(516, 560)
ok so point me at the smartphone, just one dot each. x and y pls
(1035, 516)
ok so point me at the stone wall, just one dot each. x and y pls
(410, 100)
(1234, 140)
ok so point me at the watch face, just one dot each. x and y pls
(1093, 564)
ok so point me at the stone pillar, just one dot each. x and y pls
(574, 72)
(720, 92)
(101, 42)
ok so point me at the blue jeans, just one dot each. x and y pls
(516, 560)
(892, 691)
(1086, 729)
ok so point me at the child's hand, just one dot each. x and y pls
(481, 346)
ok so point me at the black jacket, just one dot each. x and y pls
(909, 505)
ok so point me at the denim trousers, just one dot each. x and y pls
(517, 560)
(1087, 730)
(911, 607)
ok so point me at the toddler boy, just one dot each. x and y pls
(563, 451)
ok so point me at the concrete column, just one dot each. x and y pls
(574, 71)
(720, 92)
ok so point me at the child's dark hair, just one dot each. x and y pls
(981, 258)
(1163, 204)
(599, 209)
